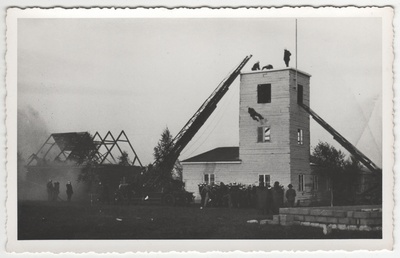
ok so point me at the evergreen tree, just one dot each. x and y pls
(163, 148)
(123, 160)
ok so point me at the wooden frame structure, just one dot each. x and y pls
(72, 145)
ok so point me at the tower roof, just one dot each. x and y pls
(276, 70)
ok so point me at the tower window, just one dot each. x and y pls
(299, 94)
(301, 183)
(264, 134)
(264, 93)
(300, 136)
(264, 180)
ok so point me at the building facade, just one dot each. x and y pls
(274, 137)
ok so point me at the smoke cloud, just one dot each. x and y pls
(32, 131)
(32, 134)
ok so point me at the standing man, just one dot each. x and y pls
(277, 197)
(69, 190)
(290, 195)
(286, 57)
(49, 187)
(56, 191)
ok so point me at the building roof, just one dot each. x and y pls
(71, 141)
(222, 154)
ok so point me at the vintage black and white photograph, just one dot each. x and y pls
(201, 125)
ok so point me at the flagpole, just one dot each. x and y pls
(296, 49)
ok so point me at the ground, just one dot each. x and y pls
(63, 220)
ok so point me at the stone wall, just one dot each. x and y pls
(364, 218)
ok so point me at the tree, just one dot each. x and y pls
(123, 160)
(331, 163)
(163, 148)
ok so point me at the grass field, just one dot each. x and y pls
(62, 220)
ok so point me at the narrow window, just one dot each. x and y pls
(212, 179)
(206, 178)
(263, 134)
(300, 136)
(264, 93)
(267, 180)
(261, 180)
(209, 179)
(301, 183)
(299, 94)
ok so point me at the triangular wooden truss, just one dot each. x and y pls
(100, 148)
(109, 142)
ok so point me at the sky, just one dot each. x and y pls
(143, 75)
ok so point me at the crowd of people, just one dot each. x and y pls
(53, 190)
(265, 198)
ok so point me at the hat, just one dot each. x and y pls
(290, 185)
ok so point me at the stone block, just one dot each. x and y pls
(313, 224)
(348, 221)
(370, 221)
(344, 221)
(302, 211)
(316, 212)
(334, 226)
(273, 222)
(299, 217)
(285, 210)
(350, 214)
(321, 219)
(305, 223)
(339, 214)
(310, 218)
(286, 218)
(286, 223)
(275, 218)
(263, 222)
(361, 215)
(375, 214)
(332, 220)
(342, 226)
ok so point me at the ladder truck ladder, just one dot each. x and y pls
(345, 143)
(197, 120)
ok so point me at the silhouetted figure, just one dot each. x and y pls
(268, 67)
(286, 57)
(256, 67)
(225, 195)
(277, 197)
(256, 116)
(56, 191)
(270, 201)
(290, 195)
(49, 188)
(262, 195)
(69, 190)
(207, 192)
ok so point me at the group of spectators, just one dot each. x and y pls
(266, 199)
(53, 190)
